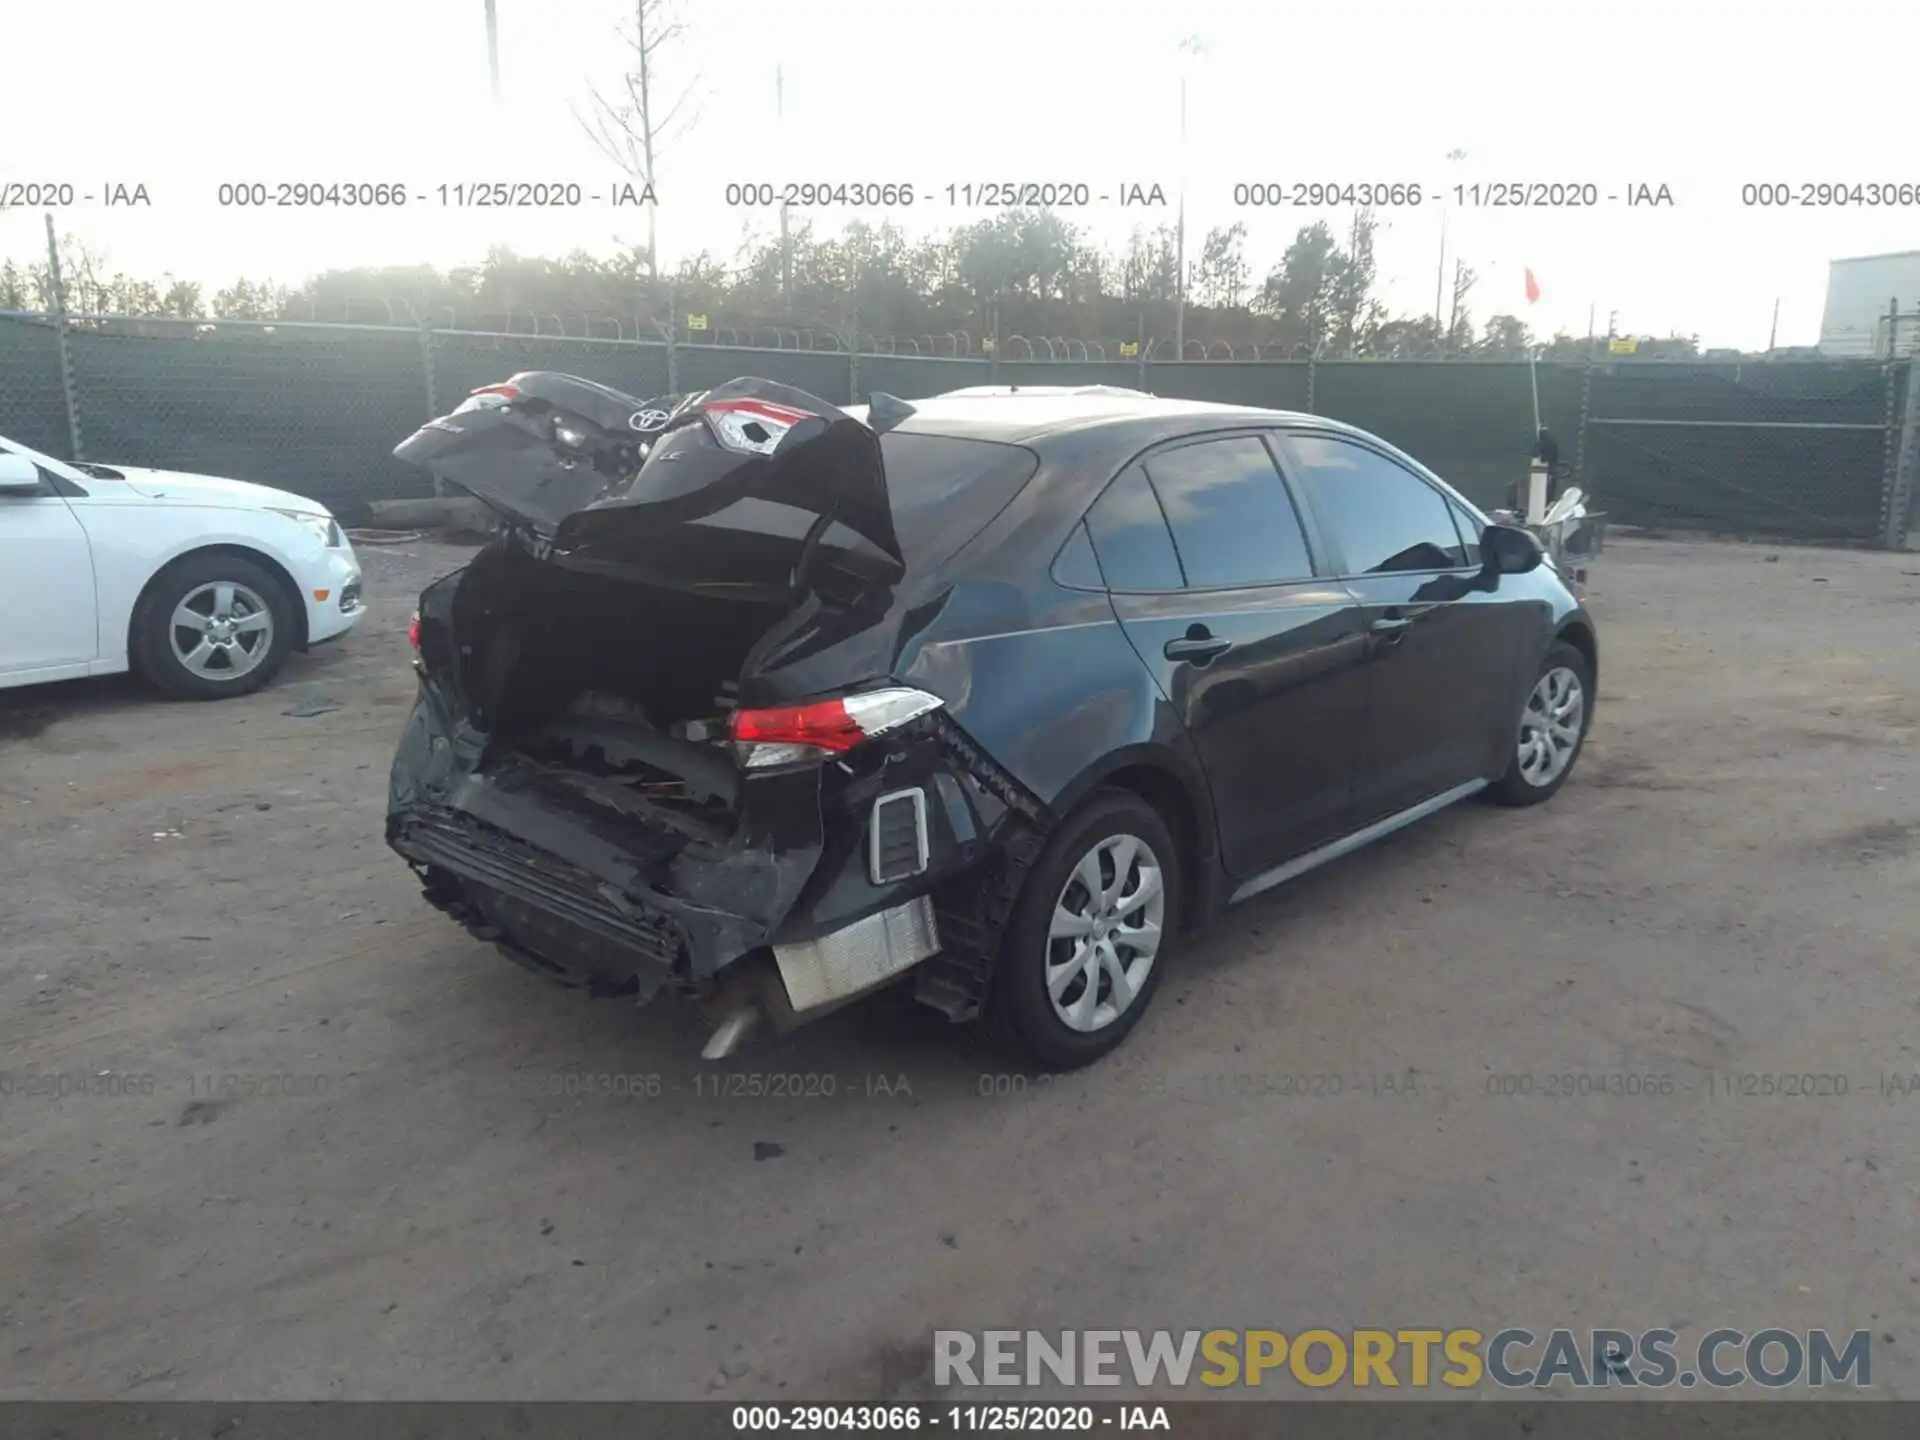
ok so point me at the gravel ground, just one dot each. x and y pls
(351, 1153)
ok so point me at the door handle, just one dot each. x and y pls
(1197, 648)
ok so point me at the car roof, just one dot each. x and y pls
(1024, 415)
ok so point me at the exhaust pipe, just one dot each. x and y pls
(732, 1031)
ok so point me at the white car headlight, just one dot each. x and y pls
(323, 528)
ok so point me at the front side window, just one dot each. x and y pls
(1233, 522)
(1384, 518)
(1470, 529)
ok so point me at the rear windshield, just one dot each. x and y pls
(944, 490)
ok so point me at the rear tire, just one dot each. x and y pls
(213, 626)
(1552, 730)
(1091, 934)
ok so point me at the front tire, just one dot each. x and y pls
(1089, 939)
(213, 626)
(1554, 721)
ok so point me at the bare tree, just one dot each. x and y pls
(634, 128)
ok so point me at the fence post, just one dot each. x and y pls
(433, 392)
(1313, 377)
(1580, 438)
(673, 340)
(1906, 467)
(67, 386)
(853, 363)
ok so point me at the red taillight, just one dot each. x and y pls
(752, 427)
(413, 632)
(825, 726)
(509, 392)
(793, 733)
(758, 409)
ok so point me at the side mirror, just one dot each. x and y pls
(18, 475)
(1511, 550)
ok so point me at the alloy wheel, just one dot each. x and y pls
(221, 630)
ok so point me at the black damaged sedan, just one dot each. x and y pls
(995, 695)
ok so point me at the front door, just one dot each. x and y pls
(1442, 638)
(47, 620)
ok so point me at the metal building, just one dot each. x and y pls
(1873, 307)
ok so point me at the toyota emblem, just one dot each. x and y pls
(644, 420)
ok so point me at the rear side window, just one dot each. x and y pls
(943, 489)
(1130, 536)
(1076, 566)
(1384, 518)
(1232, 520)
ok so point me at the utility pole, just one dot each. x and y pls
(1191, 46)
(786, 244)
(493, 49)
(1774, 333)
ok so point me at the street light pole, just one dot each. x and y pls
(786, 243)
(493, 49)
(1440, 274)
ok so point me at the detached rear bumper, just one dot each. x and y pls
(542, 911)
(572, 927)
(630, 903)
(827, 879)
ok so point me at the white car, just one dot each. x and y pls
(202, 585)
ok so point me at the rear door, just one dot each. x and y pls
(1212, 576)
(1443, 643)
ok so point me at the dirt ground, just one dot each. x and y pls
(314, 1142)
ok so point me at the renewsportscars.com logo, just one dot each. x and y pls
(1513, 1358)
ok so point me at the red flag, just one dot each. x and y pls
(1533, 288)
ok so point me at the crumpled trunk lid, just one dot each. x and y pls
(765, 470)
(759, 511)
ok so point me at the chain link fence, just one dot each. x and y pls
(1796, 449)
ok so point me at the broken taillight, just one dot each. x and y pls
(753, 427)
(822, 728)
(488, 397)
(413, 634)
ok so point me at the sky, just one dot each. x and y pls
(1696, 95)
